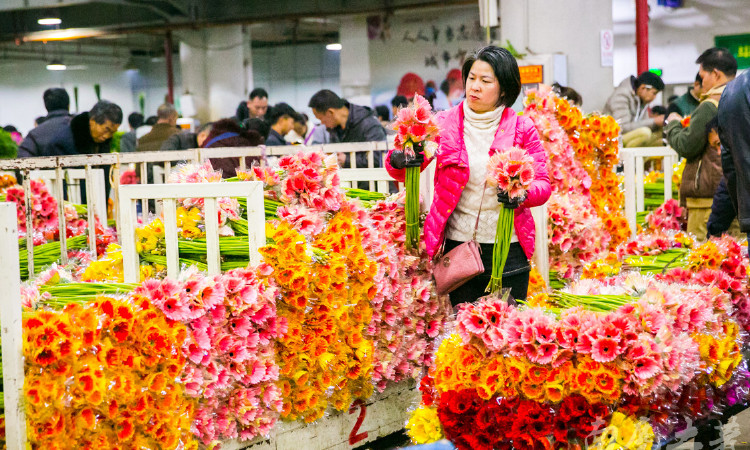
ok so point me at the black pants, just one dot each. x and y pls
(515, 274)
(722, 211)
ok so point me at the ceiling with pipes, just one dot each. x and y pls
(139, 26)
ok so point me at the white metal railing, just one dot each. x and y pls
(633, 159)
(73, 178)
(168, 194)
(12, 329)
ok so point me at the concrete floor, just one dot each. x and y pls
(741, 424)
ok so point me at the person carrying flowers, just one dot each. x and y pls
(471, 132)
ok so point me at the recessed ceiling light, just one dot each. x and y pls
(334, 47)
(49, 21)
(56, 65)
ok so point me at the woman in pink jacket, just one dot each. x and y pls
(470, 133)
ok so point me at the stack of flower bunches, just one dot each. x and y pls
(326, 303)
(105, 375)
(46, 254)
(576, 231)
(613, 342)
(408, 315)
(231, 369)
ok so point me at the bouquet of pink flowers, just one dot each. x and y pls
(417, 132)
(512, 172)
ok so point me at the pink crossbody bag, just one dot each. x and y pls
(458, 266)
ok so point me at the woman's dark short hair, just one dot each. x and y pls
(383, 113)
(506, 70)
(713, 125)
(104, 110)
(135, 120)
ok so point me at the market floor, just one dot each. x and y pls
(736, 435)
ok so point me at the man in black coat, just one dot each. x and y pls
(57, 103)
(348, 123)
(734, 132)
(88, 133)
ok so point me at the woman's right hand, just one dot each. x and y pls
(398, 160)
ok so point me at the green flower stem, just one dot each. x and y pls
(412, 207)
(503, 233)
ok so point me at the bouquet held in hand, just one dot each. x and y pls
(417, 131)
(512, 172)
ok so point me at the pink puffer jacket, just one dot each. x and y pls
(452, 173)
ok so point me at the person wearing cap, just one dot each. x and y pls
(280, 119)
(703, 170)
(628, 104)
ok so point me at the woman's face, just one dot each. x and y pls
(482, 88)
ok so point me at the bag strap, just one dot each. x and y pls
(476, 224)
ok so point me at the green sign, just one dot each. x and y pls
(656, 71)
(739, 45)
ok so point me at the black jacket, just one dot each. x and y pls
(184, 140)
(734, 132)
(361, 126)
(275, 139)
(39, 139)
(76, 139)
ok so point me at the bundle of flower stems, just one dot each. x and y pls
(657, 264)
(46, 254)
(555, 282)
(599, 303)
(65, 293)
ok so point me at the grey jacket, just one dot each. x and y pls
(625, 106)
(39, 139)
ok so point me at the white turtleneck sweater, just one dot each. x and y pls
(479, 132)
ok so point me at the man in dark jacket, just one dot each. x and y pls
(348, 123)
(129, 140)
(734, 131)
(89, 132)
(165, 126)
(281, 119)
(57, 103)
(703, 169)
(685, 104)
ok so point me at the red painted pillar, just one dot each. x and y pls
(641, 34)
(170, 72)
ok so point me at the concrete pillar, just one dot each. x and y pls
(572, 27)
(355, 61)
(212, 63)
(193, 69)
(247, 61)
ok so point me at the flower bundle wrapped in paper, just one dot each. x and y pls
(416, 134)
(512, 172)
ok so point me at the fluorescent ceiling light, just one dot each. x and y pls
(49, 21)
(56, 65)
(334, 47)
(62, 35)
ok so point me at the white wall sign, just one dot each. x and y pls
(607, 44)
